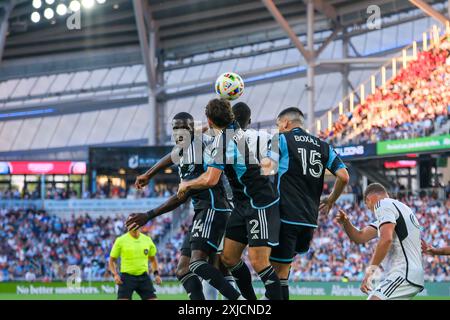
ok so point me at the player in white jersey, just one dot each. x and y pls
(258, 140)
(398, 250)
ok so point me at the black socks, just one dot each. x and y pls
(271, 282)
(192, 285)
(215, 278)
(285, 288)
(243, 279)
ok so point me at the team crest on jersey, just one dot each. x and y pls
(145, 251)
(414, 221)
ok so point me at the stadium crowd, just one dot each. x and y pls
(413, 104)
(36, 245)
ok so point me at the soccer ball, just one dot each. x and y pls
(229, 86)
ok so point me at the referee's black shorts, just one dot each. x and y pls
(142, 284)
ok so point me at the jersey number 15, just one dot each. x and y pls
(315, 164)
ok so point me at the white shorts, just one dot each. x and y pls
(395, 287)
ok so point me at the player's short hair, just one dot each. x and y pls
(374, 188)
(242, 114)
(183, 116)
(219, 112)
(293, 114)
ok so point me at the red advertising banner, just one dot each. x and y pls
(42, 167)
(400, 164)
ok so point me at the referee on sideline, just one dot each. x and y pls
(134, 249)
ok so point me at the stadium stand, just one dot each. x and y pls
(413, 104)
(36, 245)
(60, 125)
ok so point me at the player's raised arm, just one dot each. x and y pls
(165, 162)
(207, 180)
(141, 219)
(337, 167)
(355, 235)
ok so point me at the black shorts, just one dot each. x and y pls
(141, 284)
(294, 239)
(206, 232)
(255, 227)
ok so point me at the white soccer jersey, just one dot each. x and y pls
(405, 255)
(258, 142)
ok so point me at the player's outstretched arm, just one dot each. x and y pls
(342, 179)
(141, 219)
(428, 249)
(165, 162)
(207, 180)
(355, 235)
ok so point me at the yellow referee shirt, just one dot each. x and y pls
(133, 253)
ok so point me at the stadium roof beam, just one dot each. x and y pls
(307, 54)
(425, 7)
(149, 35)
(146, 40)
(5, 12)
(327, 9)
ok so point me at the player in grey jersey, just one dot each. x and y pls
(398, 250)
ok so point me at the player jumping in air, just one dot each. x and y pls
(300, 165)
(398, 248)
(255, 218)
(211, 207)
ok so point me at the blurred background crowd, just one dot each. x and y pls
(37, 246)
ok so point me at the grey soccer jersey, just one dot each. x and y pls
(405, 254)
(258, 142)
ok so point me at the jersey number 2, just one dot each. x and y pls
(316, 166)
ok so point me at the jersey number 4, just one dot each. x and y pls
(315, 167)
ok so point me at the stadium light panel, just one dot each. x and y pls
(61, 9)
(37, 4)
(49, 13)
(35, 17)
(75, 6)
(88, 3)
(50, 2)
(101, 1)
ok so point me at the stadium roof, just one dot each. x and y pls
(185, 27)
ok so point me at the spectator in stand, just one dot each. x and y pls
(413, 104)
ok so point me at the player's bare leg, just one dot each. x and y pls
(259, 258)
(282, 270)
(200, 266)
(231, 258)
(224, 270)
(189, 280)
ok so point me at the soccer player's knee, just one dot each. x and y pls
(182, 270)
(228, 260)
(259, 262)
